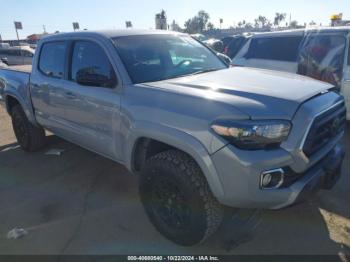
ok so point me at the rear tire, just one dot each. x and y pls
(177, 199)
(31, 138)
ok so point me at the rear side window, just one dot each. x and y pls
(11, 52)
(26, 53)
(275, 48)
(52, 59)
(322, 57)
(90, 61)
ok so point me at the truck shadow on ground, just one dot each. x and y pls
(81, 203)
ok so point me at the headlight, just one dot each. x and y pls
(253, 135)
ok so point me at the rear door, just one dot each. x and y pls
(91, 98)
(47, 81)
(271, 52)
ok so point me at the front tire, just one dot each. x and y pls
(30, 138)
(177, 199)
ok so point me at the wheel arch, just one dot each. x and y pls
(153, 139)
(11, 100)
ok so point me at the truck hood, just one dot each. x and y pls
(259, 93)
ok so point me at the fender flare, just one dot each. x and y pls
(180, 140)
(27, 109)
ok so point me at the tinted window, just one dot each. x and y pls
(226, 40)
(89, 60)
(11, 52)
(322, 57)
(235, 46)
(275, 48)
(157, 57)
(26, 53)
(52, 59)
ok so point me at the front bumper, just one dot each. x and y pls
(241, 177)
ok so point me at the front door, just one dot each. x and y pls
(91, 100)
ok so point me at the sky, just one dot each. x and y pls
(58, 15)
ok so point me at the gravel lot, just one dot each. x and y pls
(81, 203)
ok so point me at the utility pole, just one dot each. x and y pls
(290, 19)
(44, 27)
(17, 35)
(18, 26)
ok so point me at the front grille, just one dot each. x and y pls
(324, 128)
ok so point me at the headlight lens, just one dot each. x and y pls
(253, 135)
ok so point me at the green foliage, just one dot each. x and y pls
(198, 23)
(279, 17)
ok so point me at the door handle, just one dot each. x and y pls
(70, 95)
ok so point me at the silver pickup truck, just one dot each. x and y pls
(200, 135)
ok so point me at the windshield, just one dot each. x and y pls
(150, 58)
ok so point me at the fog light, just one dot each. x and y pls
(272, 179)
(266, 180)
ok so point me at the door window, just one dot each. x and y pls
(274, 48)
(26, 53)
(90, 65)
(322, 57)
(52, 59)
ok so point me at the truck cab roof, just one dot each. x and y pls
(110, 33)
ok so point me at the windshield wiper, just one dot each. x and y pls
(205, 71)
(191, 74)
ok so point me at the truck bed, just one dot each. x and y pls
(16, 79)
(19, 68)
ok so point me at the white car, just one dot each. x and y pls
(321, 53)
(17, 55)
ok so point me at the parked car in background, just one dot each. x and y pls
(4, 45)
(3, 62)
(17, 55)
(200, 135)
(199, 37)
(215, 44)
(321, 53)
(233, 44)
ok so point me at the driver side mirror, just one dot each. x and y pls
(224, 58)
(88, 77)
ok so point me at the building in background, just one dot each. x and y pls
(337, 20)
(34, 38)
(161, 21)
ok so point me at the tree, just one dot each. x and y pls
(175, 27)
(210, 26)
(279, 17)
(198, 23)
(203, 18)
(262, 22)
(241, 24)
(293, 24)
(248, 26)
